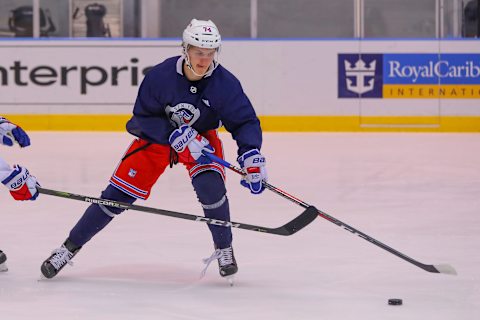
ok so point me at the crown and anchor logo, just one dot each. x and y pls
(360, 72)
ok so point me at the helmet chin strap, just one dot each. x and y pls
(189, 64)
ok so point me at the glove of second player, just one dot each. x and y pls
(186, 139)
(11, 133)
(21, 184)
(253, 164)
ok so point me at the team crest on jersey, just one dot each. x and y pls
(182, 113)
(132, 173)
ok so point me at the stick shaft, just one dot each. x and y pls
(300, 222)
(429, 268)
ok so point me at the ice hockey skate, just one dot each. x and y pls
(60, 258)
(3, 260)
(226, 263)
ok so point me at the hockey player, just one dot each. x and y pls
(180, 105)
(18, 180)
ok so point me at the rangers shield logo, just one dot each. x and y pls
(132, 173)
(182, 113)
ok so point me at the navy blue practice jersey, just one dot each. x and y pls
(167, 100)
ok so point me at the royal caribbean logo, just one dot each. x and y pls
(408, 75)
(360, 75)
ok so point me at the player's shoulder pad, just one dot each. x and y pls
(161, 73)
(225, 76)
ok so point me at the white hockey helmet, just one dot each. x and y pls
(202, 34)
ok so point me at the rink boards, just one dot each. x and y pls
(295, 85)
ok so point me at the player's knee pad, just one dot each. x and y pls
(112, 193)
(210, 189)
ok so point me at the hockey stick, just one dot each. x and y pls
(287, 229)
(437, 268)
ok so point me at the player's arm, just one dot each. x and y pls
(149, 120)
(240, 119)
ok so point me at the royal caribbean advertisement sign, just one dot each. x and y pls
(417, 76)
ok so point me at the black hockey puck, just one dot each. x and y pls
(395, 302)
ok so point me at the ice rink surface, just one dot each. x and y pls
(418, 193)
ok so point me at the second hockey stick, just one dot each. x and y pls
(300, 222)
(437, 268)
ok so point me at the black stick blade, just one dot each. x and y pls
(298, 223)
(439, 268)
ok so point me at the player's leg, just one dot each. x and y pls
(209, 184)
(133, 178)
(211, 193)
(95, 218)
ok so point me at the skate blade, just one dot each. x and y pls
(230, 280)
(42, 278)
(3, 267)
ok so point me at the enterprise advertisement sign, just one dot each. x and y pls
(80, 72)
(397, 76)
